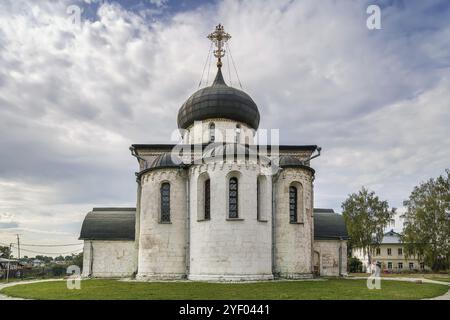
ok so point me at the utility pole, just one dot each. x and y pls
(18, 246)
(9, 262)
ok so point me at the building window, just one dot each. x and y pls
(389, 251)
(400, 251)
(263, 198)
(207, 200)
(390, 265)
(258, 200)
(292, 204)
(238, 133)
(212, 132)
(422, 266)
(400, 265)
(411, 265)
(233, 198)
(378, 251)
(165, 202)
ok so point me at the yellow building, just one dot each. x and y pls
(390, 256)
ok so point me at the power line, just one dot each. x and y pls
(229, 69)
(61, 253)
(209, 67)
(206, 62)
(51, 245)
(18, 246)
(232, 60)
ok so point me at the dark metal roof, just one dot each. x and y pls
(166, 160)
(222, 151)
(321, 210)
(169, 147)
(219, 101)
(109, 224)
(163, 161)
(290, 161)
(329, 225)
(119, 224)
(293, 162)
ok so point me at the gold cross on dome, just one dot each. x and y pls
(219, 37)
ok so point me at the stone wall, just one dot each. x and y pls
(331, 254)
(229, 249)
(225, 131)
(293, 241)
(162, 246)
(105, 259)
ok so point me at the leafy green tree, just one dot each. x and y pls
(46, 259)
(366, 217)
(354, 265)
(77, 259)
(4, 252)
(58, 270)
(426, 227)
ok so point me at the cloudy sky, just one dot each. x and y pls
(76, 93)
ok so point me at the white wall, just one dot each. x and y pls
(226, 249)
(109, 258)
(162, 246)
(225, 131)
(328, 251)
(293, 241)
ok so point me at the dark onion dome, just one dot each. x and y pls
(293, 162)
(219, 101)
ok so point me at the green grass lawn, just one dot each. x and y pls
(274, 290)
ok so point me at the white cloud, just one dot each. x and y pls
(73, 99)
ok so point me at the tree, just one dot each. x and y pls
(366, 217)
(46, 259)
(426, 227)
(354, 265)
(78, 260)
(5, 252)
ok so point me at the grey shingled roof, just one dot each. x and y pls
(391, 237)
(109, 224)
(329, 225)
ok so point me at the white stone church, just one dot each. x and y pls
(218, 206)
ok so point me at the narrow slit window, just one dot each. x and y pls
(212, 132)
(233, 198)
(207, 200)
(165, 202)
(293, 204)
(258, 199)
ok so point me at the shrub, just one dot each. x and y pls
(354, 265)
